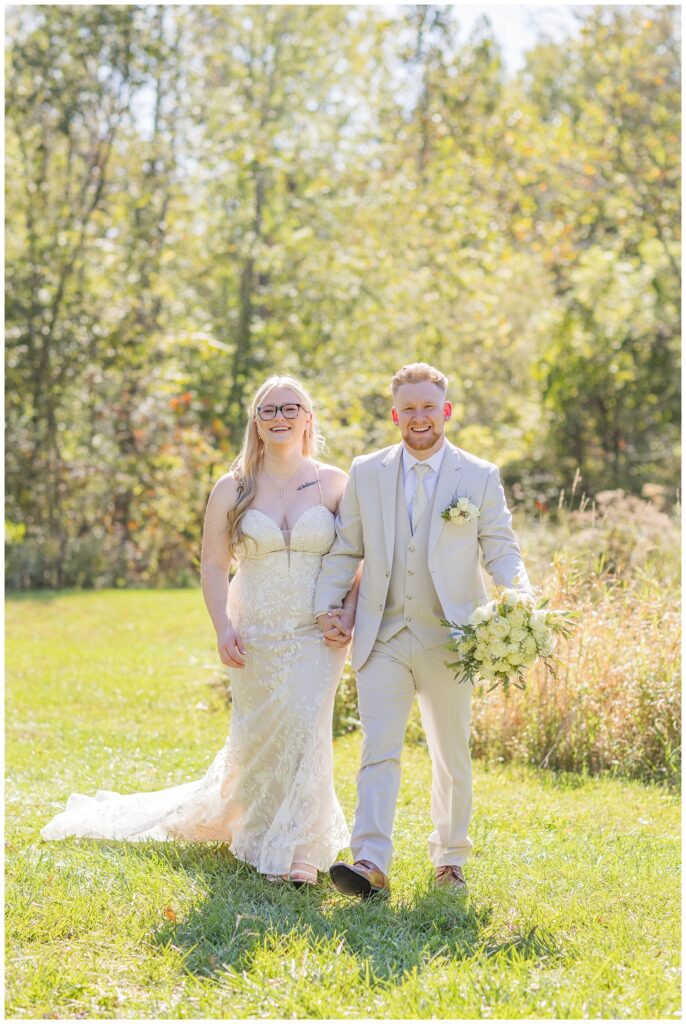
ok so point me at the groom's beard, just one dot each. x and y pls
(420, 442)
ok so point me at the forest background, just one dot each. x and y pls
(200, 196)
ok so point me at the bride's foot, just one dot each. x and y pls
(302, 874)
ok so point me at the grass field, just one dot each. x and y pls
(573, 903)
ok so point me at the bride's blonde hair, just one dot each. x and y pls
(248, 463)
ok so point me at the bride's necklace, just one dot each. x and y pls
(282, 486)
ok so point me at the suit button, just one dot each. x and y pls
(410, 572)
(408, 618)
(409, 597)
(411, 550)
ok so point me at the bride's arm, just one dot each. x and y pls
(350, 600)
(214, 571)
(345, 618)
(340, 621)
(342, 561)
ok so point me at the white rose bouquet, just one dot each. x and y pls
(505, 637)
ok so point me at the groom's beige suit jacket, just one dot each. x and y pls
(441, 558)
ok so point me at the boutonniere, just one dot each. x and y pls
(460, 510)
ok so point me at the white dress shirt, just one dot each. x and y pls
(410, 477)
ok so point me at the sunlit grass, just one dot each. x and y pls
(572, 909)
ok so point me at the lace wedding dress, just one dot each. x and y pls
(269, 792)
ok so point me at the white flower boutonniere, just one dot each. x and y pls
(460, 510)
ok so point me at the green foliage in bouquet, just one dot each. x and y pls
(505, 637)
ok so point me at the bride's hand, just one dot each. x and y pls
(230, 647)
(340, 630)
(346, 617)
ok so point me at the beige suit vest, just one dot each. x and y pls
(412, 600)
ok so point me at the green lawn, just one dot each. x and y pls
(573, 905)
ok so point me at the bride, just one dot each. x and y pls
(269, 792)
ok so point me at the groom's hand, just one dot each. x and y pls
(334, 629)
(345, 619)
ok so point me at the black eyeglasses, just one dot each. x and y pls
(290, 410)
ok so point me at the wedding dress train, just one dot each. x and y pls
(269, 792)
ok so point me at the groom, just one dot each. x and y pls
(418, 569)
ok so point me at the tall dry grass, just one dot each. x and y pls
(615, 703)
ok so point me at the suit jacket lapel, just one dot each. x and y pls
(388, 485)
(446, 486)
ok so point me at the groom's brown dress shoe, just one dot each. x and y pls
(359, 879)
(451, 877)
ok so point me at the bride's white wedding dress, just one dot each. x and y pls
(269, 792)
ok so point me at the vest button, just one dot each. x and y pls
(409, 597)
(387, 574)
(380, 607)
(410, 572)
(408, 618)
(411, 550)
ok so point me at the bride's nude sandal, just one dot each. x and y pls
(302, 874)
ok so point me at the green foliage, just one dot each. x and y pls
(200, 196)
(345, 711)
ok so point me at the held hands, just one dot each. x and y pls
(337, 626)
(230, 647)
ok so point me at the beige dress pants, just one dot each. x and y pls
(395, 671)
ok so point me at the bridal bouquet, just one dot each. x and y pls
(505, 637)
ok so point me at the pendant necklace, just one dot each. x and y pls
(283, 487)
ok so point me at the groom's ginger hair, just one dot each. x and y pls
(415, 373)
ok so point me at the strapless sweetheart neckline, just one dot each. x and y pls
(301, 516)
